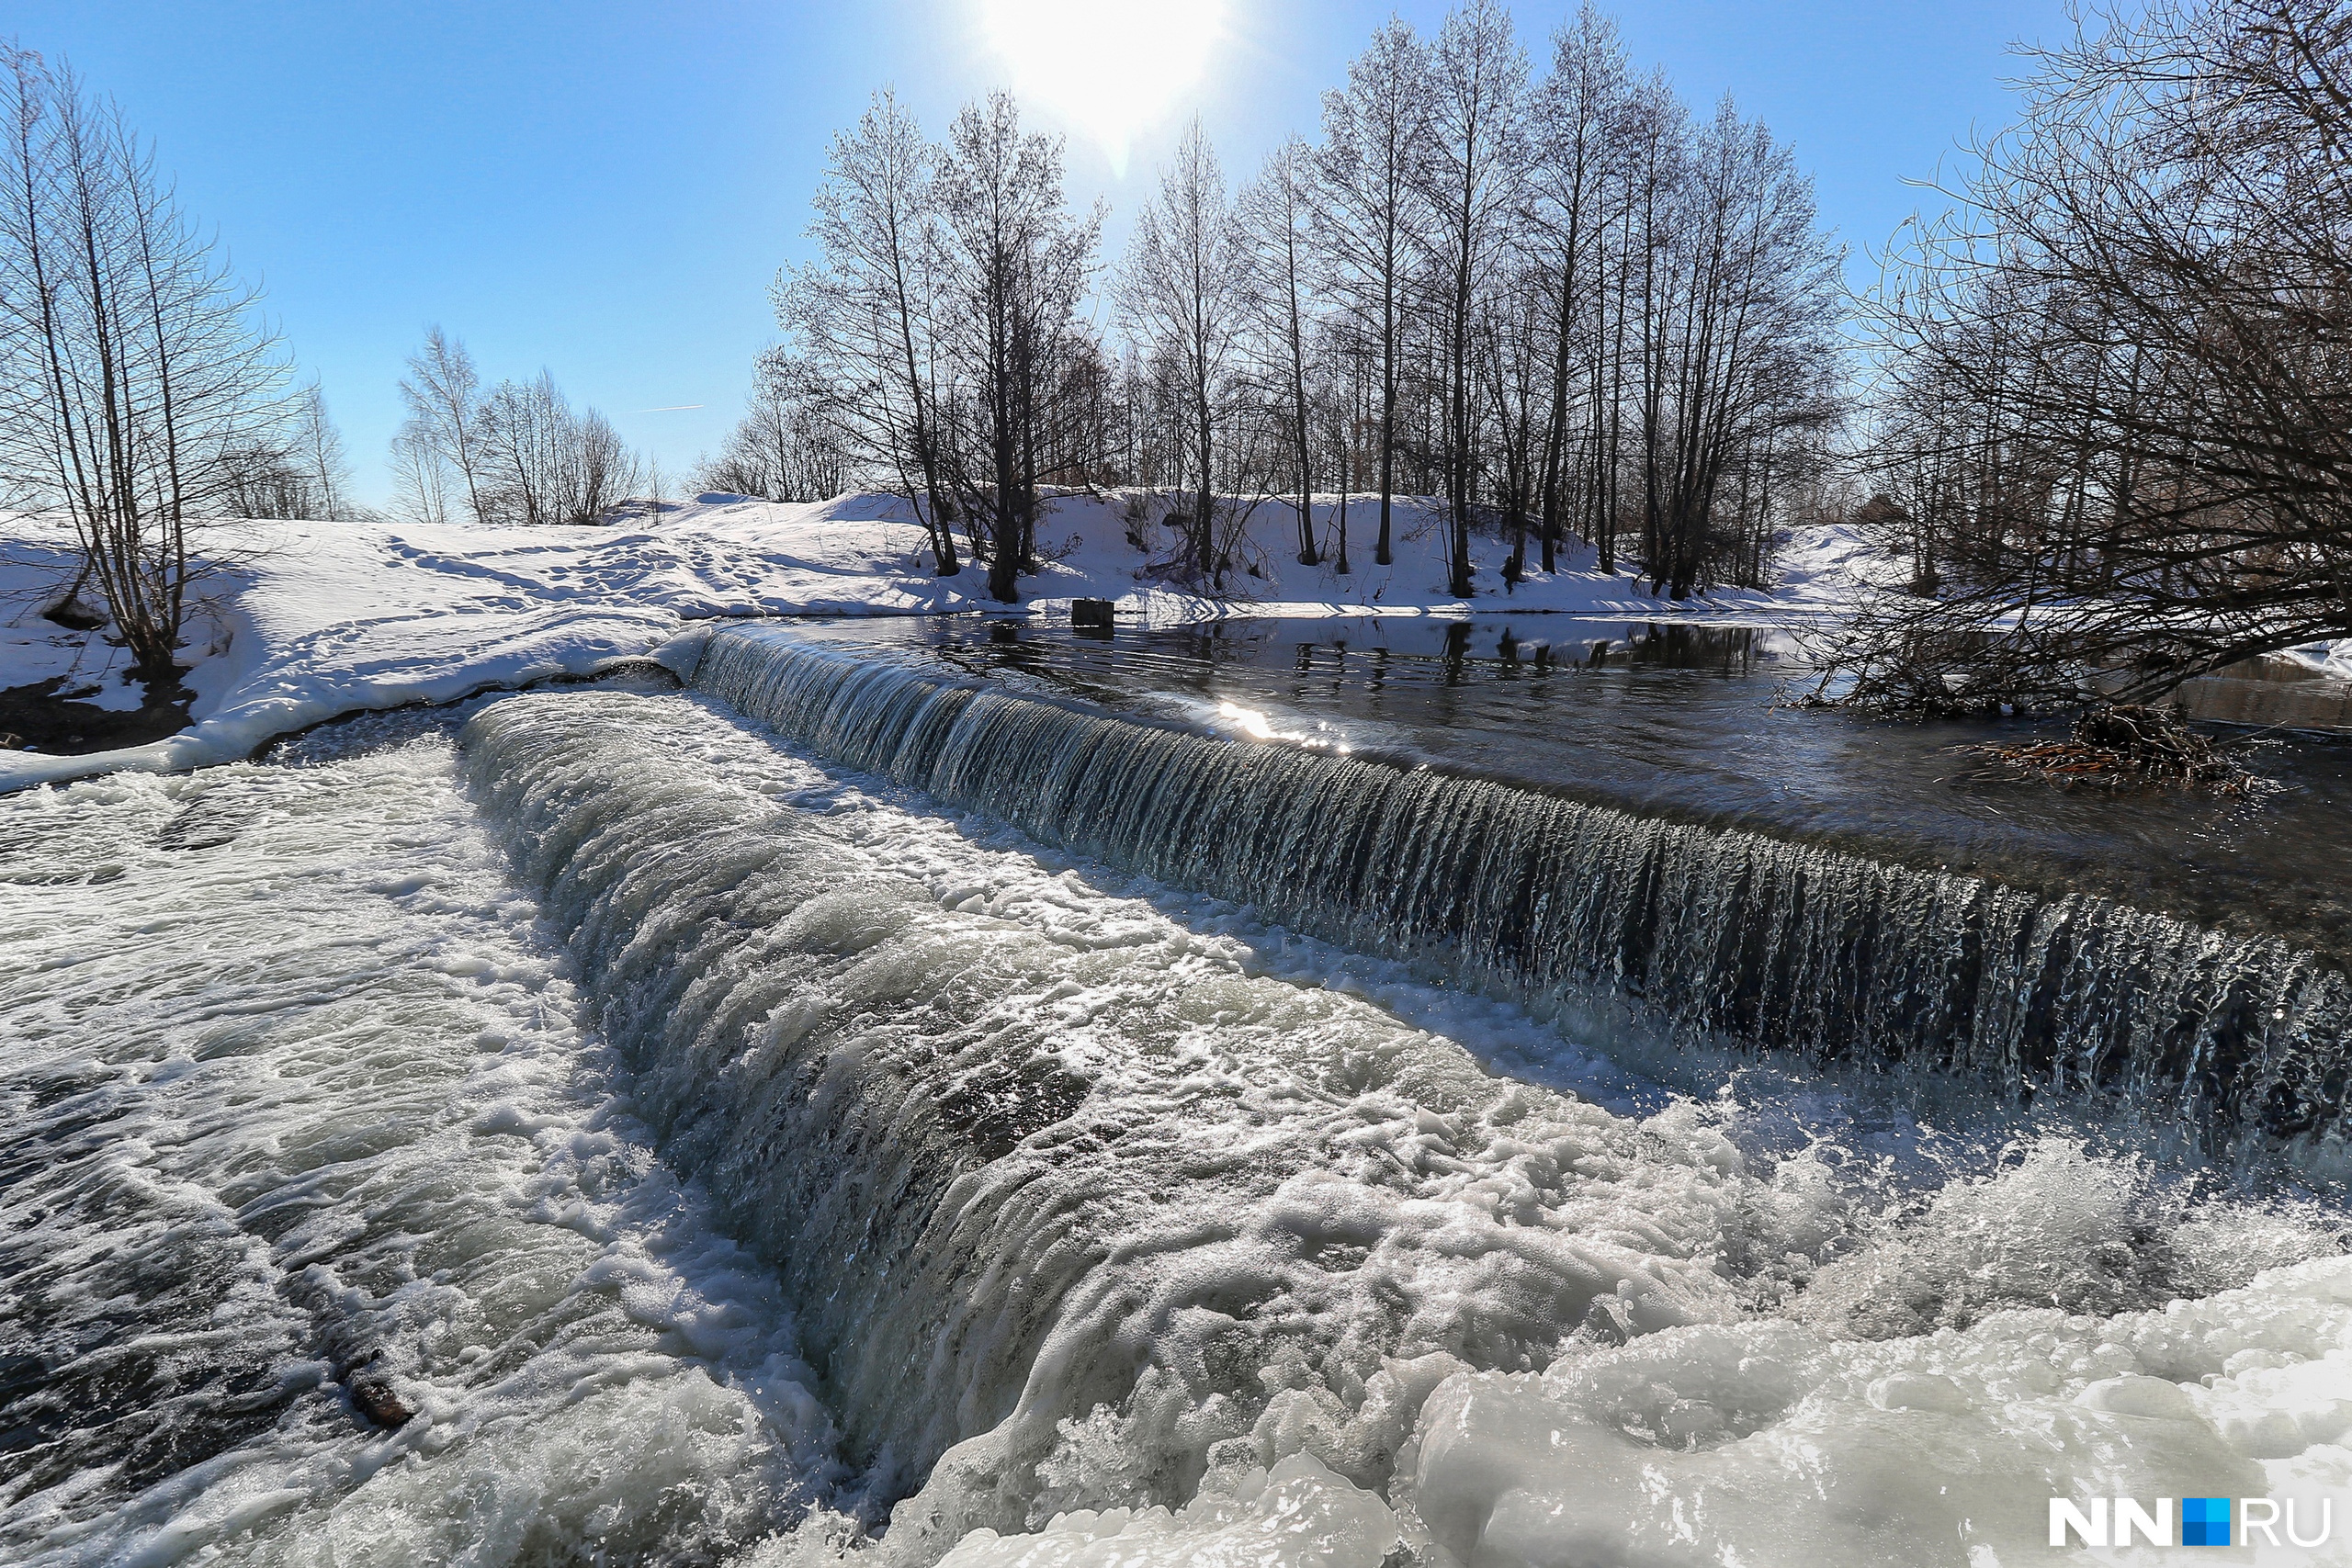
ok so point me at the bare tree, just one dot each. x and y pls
(544, 463)
(789, 445)
(1478, 76)
(1277, 212)
(1508, 357)
(1371, 215)
(1017, 268)
(438, 452)
(1571, 118)
(296, 469)
(1737, 330)
(518, 454)
(317, 450)
(866, 314)
(1183, 292)
(131, 358)
(2120, 441)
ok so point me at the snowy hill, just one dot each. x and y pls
(311, 620)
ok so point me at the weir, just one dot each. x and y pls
(1701, 932)
(1069, 1212)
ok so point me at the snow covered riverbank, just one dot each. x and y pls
(307, 621)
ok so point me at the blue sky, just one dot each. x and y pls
(606, 189)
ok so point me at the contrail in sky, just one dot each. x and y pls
(674, 407)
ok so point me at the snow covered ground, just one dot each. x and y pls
(307, 621)
(36, 564)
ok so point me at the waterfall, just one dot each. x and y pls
(1703, 930)
(1071, 1208)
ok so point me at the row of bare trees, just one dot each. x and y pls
(2110, 435)
(786, 446)
(2115, 440)
(516, 453)
(294, 467)
(1559, 303)
(941, 330)
(140, 394)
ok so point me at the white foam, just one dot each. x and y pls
(1769, 1444)
(1299, 1515)
(304, 1099)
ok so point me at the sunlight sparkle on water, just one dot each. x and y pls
(1109, 70)
(1252, 721)
(1261, 725)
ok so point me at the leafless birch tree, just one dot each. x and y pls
(1476, 76)
(787, 446)
(1183, 292)
(1276, 213)
(516, 455)
(867, 314)
(1018, 264)
(1372, 216)
(130, 357)
(438, 454)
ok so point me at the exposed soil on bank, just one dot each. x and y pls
(37, 718)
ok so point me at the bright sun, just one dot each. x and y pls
(1109, 67)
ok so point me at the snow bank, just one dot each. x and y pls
(319, 619)
(1117, 555)
(37, 562)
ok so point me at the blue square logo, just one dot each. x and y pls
(2204, 1521)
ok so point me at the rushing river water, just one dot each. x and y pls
(1682, 721)
(1711, 927)
(777, 1118)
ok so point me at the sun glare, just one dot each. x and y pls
(1110, 70)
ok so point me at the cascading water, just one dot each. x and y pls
(1017, 1172)
(1085, 1216)
(863, 1155)
(1707, 930)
